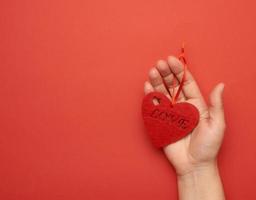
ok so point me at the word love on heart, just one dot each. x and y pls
(168, 121)
(170, 117)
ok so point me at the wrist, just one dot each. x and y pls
(202, 182)
(199, 169)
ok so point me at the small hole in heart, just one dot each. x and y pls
(156, 101)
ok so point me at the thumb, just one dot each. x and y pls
(216, 101)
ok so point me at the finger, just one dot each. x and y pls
(216, 108)
(148, 87)
(190, 87)
(165, 71)
(157, 82)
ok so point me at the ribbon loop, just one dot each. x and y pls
(184, 61)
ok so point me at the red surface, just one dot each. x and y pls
(71, 85)
(167, 122)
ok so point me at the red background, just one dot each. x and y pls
(71, 84)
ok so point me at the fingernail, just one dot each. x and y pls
(222, 86)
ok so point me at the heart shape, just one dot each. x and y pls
(167, 123)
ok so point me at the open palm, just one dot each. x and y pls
(202, 145)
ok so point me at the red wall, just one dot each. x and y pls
(71, 84)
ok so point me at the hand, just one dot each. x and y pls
(200, 148)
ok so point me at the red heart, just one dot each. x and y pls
(167, 123)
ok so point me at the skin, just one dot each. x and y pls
(195, 156)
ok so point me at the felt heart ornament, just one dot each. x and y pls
(166, 122)
(169, 121)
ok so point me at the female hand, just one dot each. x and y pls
(201, 147)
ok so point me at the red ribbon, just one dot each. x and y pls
(184, 61)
